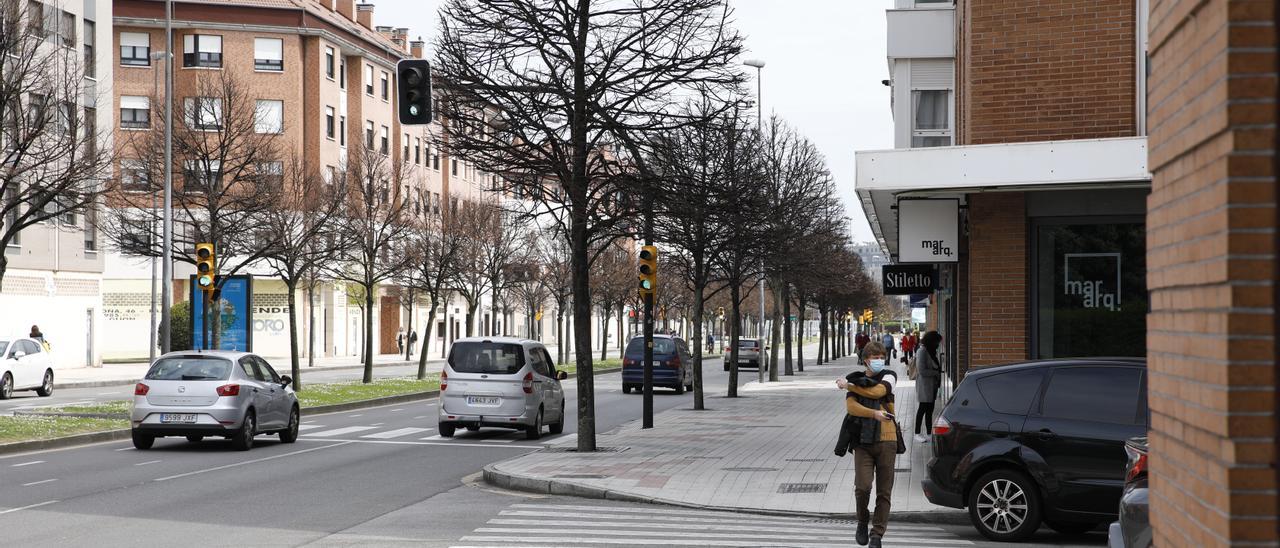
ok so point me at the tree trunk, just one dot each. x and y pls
(822, 335)
(621, 308)
(787, 328)
(426, 340)
(582, 333)
(604, 335)
(471, 316)
(311, 321)
(560, 335)
(215, 321)
(291, 285)
(736, 317)
(775, 335)
(408, 346)
(697, 323)
(368, 334)
(493, 308)
(800, 346)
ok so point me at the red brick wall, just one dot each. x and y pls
(1045, 70)
(996, 328)
(1211, 254)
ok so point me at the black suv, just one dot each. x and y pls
(1039, 441)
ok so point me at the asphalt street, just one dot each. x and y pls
(374, 476)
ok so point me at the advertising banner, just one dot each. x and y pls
(235, 304)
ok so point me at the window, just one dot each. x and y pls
(201, 176)
(328, 122)
(328, 62)
(91, 228)
(385, 144)
(133, 175)
(435, 159)
(342, 73)
(9, 127)
(931, 120)
(405, 141)
(35, 18)
(417, 150)
(271, 173)
(454, 167)
(268, 117)
(204, 112)
(486, 357)
(330, 174)
(435, 203)
(185, 368)
(268, 54)
(91, 131)
(67, 30)
(202, 50)
(342, 131)
(90, 57)
(66, 117)
(386, 86)
(36, 110)
(135, 112)
(368, 134)
(11, 199)
(135, 49)
(1096, 394)
(1011, 393)
(368, 80)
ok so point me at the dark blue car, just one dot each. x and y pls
(672, 365)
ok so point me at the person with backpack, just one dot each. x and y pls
(39, 337)
(928, 371)
(871, 432)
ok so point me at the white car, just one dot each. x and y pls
(501, 382)
(24, 365)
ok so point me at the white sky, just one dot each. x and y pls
(824, 63)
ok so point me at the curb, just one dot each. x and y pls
(515, 482)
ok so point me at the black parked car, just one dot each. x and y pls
(1038, 442)
(1133, 530)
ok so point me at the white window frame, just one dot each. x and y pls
(134, 176)
(330, 123)
(949, 132)
(131, 42)
(368, 80)
(194, 106)
(330, 62)
(268, 55)
(201, 45)
(268, 116)
(135, 103)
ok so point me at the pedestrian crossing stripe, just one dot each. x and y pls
(341, 431)
(389, 434)
(305, 427)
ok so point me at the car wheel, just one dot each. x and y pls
(1004, 506)
(473, 428)
(142, 441)
(243, 439)
(726, 367)
(6, 387)
(535, 430)
(1072, 528)
(195, 439)
(446, 430)
(626, 389)
(558, 426)
(46, 387)
(679, 388)
(290, 434)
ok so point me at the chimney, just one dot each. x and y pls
(416, 48)
(364, 15)
(347, 8)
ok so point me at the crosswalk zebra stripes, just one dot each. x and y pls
(540, 524)
(377, 433)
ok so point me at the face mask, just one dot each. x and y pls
(877, 365)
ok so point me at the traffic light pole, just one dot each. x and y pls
(647, 412)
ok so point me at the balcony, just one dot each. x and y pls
(921, 33)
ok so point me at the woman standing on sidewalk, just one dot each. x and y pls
(870, 399)
(928, 379)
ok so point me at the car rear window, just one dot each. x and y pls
(1011, 393)
(742, 343)
(486, 357)
(190, 368)
(635, 348)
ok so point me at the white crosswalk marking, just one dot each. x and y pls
(530, 525)
(340, 431)
(493, 440)
(395, 433)
(305, 427)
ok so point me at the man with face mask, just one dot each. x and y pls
(870, 432)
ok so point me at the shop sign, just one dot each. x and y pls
(908, 279)
(928, 231)
(1094, 278)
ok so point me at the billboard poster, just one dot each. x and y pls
(235, 302)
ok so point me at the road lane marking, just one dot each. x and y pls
(420, 417)
(39, 482)
(492, 440)
(395, 433)
(107, 393)
(397, 410)
(355, 415)
(304, 427)
(263, 459)
(26, 463)
(378, 424)
(444, 444)
(340, 431)
(146, 463)
(30, 506)
(130, 448)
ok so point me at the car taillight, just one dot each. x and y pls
(229, 390)
(444, 380)
(941, 427)
(141, 389)
(675, 362)
(1137, 464)
(527, 385)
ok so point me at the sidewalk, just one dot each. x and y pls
(769, 450)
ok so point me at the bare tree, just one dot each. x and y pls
(54, 160)
(556, 276)
(436, 245)
(612, 282)
(499, 248)
(470, 277)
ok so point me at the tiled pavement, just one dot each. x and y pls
(768, 450)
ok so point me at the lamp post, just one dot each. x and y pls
(759, 66)
(166, 253)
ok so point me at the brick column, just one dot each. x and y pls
(996, 329)
(1211, 253)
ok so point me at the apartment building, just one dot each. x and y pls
(54, 274)
(1020, 174)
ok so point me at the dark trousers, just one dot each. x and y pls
(874, 463)
(924, 411)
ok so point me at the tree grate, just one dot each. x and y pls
(792, 488)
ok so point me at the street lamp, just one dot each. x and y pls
(759, 65)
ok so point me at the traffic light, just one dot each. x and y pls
(413, 90)
(720, 312)
(648, 269)
(205, 268)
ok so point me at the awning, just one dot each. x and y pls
(884, 176)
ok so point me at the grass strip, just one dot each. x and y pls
(27, 428)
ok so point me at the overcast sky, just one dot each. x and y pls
(824, 60)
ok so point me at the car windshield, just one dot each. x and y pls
(635, 348)
(190, 368)
(486, 357)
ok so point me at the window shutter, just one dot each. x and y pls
(135, 102)
(136, 39)
(268, 48)
(932, 73)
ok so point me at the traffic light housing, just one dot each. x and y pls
(205, 267)
(720, 312)
(413, 91)
(648, 269)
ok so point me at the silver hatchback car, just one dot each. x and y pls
(234, 395)
(500, 382)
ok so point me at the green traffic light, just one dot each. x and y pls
(205, 281)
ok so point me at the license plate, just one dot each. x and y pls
(484, 400)
(178, 418)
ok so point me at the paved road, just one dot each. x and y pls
(375, 476)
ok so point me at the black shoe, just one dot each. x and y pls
(875, 542)
(861, 535)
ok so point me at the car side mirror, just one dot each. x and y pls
(561, 375)
(18, 354)
(285, 380)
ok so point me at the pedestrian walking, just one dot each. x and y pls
(400, 341)
(908, 346)
(928, 380)
(871, 432)
(413, 340)
(860, 340)
(39, 337)
(890, 349)
(711, 343)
